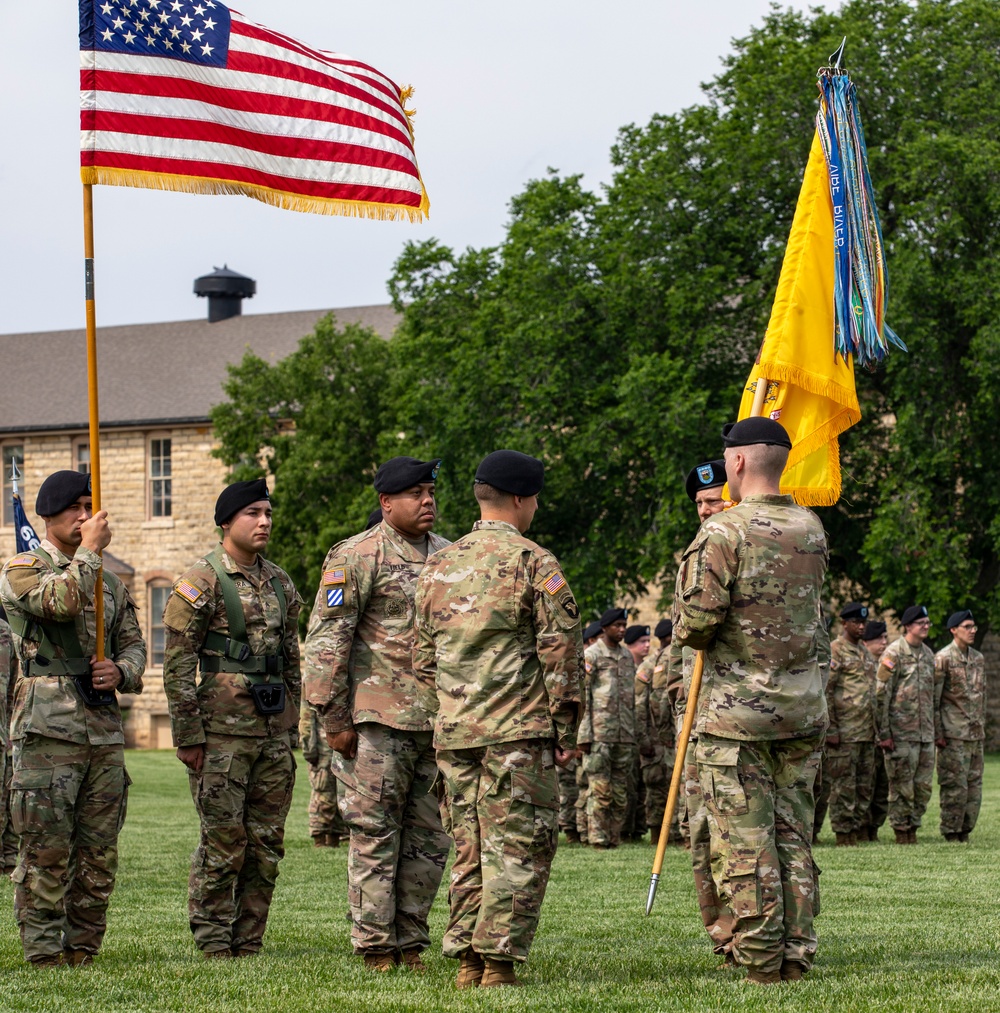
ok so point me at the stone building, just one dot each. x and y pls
(157, 384)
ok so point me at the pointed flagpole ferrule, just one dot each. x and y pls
(654, 880)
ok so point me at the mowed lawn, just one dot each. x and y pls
(908, 929)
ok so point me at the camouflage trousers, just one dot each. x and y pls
(569, 792)
(715, 914)
(242, 795)
(849, 769)
(656, 772)
(68, 803)
(634, 823)
(324, 808)
(910, 770)
(502, 809)
(609, 766)
(398, 845)
(9, 842)
(879, 809)
(759, 797)
(582, 797)
(822, 795)
(960, 778)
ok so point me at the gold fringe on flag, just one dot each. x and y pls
(276, 198)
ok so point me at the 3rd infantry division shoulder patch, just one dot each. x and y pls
(334, 597)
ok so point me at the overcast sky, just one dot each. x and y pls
(503, 91)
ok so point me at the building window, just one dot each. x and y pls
(81, 457)
(13, 453)
(159, 477)
(158, 595)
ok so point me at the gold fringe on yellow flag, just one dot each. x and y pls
(810, 390)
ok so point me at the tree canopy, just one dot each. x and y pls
(610, 333)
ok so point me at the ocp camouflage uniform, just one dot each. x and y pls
(359, 674)
(569, 792)
(961, 721)
(608, 724)
(498, 634)
(750, 588)
(907, 693)
(707, 871)
(8, 682)
(850, 766)
(656, 740)
(69, 789)
(244, 790)
(326, 825)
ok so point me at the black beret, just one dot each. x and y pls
(375, 517)
(913, 613)
(873, 630)
(854, 610)
(238, 495)
(60, 490)
(401, 473)
(613, 616)
(513, 472)
(593, 630)
(634, 633)
(752, 431)
(957, 618)
(664, 629)
(705, 476)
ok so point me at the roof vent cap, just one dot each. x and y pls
(226, 291)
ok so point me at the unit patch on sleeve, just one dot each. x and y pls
(555, 583)
(334, 597)
(188, 592)
(333, 577)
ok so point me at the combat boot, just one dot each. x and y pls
(854, 838)
(755, 977)
(380, 962)
(792, 970)
(412, 961)
(902, 836)
(78, 958)
(499, 972)
(470, 970)
(217, 954)
(572, 837)
(50, 960)
(912, 834)
(844, 841)
(964, 836)
(952, 838)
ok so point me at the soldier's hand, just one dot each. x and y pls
(833, 741)
(583, 748)
(345, 743)
(564, 756)
(888, 745)
(104, 675)
(95, 533)
(193, 757)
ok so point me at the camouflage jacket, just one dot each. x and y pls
(907, 693)
(750, 586)
(608, 695)
(8, 678)
(850, 692)
(359, 649)
(962, 714)
(64, 592)
(654, 719)
(221, 702)
(498, 636)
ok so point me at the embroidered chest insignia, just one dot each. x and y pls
(393, 608)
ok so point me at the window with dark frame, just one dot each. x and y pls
(158, 595)
(159, 477)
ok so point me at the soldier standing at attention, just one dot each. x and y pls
(378, 717)
(498, 635)
(960, 728)
(875, 640)
(907, 695)
(750, 586)
(637, 641)
(69, 788)
(572, 781)
(8, 681)
(655, 732)
(849, 759)
(326, 825)
(608, 727)
(233, 615)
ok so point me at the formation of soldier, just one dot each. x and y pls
(448, 694)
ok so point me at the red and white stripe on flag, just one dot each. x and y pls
(189, 95)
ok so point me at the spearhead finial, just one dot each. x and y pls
(835, 58)
(652, 892)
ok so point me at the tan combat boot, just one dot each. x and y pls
(470, 970)
(844, 840)
(412, 961)
(51, 960)
(380, 962)
(755, 977)
(499, 972)
(902, 836)
(792, 970)
(78, 958)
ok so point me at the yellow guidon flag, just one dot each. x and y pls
(810, 389)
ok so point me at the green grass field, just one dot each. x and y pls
(908, 929)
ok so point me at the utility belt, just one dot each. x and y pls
(77, 669)
(259, 673)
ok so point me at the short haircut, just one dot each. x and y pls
(490, 495)
(765, 460)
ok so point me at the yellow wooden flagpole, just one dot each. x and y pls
(95, 437)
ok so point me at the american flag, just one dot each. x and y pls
(189, 95)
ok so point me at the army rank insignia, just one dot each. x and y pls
(188, 592)
(555, 583)
(334, 597)
(333, 577)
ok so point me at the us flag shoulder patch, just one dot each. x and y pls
(22, 561)
(888, 662)
(334, 597)
(555, 583)
(332, 577)
(188, 592)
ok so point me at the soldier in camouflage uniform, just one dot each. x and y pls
(233, 616)
(608, 728)
(655, 732)
(637, 641)
(573, 781)
(849, 758)
(378, 719)
(875, 640)
(326, 825)
(69, 789)
(960, 728)
(750, 587)
(498, 635)
(8, 680)
(907, 696)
